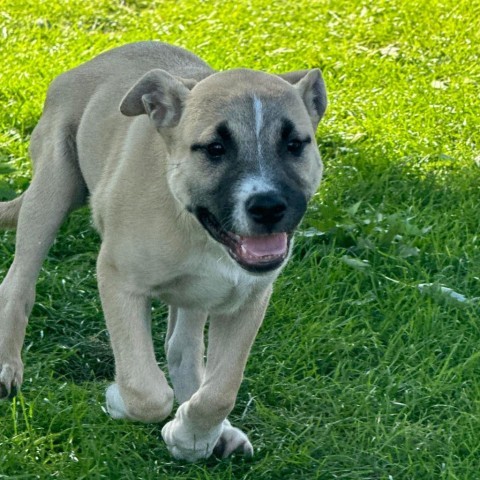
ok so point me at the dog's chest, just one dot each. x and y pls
(212, 286)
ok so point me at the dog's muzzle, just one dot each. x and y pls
(259, 253)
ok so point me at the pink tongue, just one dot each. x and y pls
(275, 244)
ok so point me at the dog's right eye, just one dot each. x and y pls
(295, 146)
(215, 150)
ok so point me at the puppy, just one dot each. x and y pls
(197, 180)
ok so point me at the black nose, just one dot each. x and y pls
(266, 208)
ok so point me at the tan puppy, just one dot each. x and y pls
(197, 180)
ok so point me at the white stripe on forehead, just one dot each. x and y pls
(258, 112)
(258, 109)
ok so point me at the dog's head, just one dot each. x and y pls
(242, 153)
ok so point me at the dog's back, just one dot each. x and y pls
(94, 83)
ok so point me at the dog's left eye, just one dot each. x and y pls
(215, 150)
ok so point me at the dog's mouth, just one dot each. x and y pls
(258, 254)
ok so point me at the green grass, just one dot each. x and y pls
(356, 373)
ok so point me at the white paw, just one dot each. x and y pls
(232, 440)
(115, 405)
(185, 442)
(11, 373)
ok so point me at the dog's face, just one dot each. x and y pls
(243, 157)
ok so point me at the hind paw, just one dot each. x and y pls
(11, 375)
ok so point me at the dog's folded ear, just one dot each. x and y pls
(311, 87)
(159, 95)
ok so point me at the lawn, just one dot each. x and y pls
(367, 366)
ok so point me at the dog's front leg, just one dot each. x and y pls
(141, 391)
(200, 424)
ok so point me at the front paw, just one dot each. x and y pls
(11, 374)
(232, 440)
(185, 442)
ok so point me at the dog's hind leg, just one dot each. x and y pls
(185, 349)
(57, 188)
(9, 212)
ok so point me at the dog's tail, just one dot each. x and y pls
(9, 212)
